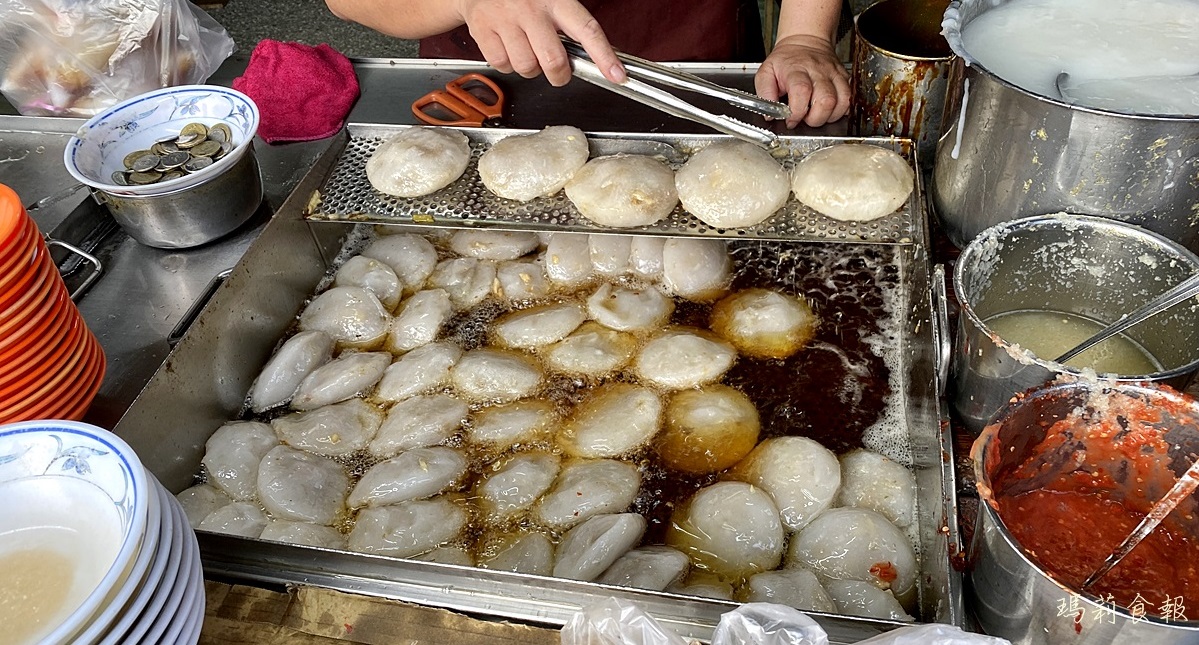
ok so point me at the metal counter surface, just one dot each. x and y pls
(144, 293)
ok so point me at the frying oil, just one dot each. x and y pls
(838, 390)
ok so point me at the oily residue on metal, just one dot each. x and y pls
(900, 73)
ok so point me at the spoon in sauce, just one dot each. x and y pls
(1180, 292)
(1164, 506)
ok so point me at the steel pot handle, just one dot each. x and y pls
(943, 336)
(97, 266)
(193, 312)
(54, 198)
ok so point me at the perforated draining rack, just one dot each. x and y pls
(348, 196)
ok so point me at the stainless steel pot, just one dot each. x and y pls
(1093, 267)
(1010, 595)
(1006, 153)
(191, 216)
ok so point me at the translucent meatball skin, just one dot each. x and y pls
(418, 161)
(857, 544)
(708, 429)
(623, 190)
(696, 269)
(295, 485)
(281, 376)
(409, 528)
(591, 547)
(586, 488)
(493, 245)
(801, 476)
(732, 184)
(495, 375)
(764, 323)
(352, 316)
(413, 474)
(232, 455)
(729, 528)
(683, 357)
(870, 480)
(411, 256)
(522, 167)
(614, 420)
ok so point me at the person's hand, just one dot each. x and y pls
(807, 71)
(522, 36)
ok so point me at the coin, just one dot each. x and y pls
(220, 132)
(164, 149)
(119, 178)
(187, 141)
(225, 148)
(141, 178)
(206, 149)
(196, 129)
(192, 134)
(167, 139)
(175, 159)
(174, 174)
(196, 164)
(132, 157)
(145, 163)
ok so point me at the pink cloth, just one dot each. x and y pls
(303, 92)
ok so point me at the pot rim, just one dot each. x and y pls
(993, 233)
(986, 497)
(896, 55)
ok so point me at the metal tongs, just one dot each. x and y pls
(583, 67)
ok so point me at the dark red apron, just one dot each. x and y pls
(661, 30)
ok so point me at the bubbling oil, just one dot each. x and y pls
(838, 390)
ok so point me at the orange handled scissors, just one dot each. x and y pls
(469, 100)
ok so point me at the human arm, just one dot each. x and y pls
(803, 65)
(513, 35)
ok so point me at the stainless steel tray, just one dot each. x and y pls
(348, 196)
(204, 381)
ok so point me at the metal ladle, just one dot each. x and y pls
(1059, 82)
(1164, 506)
(1182, 291)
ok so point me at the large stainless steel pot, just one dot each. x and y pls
(1011, 596)
(1006, 153)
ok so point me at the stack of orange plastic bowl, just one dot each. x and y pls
(52, 365)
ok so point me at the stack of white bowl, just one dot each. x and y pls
(92, 548)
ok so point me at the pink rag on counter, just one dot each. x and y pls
(303, 92)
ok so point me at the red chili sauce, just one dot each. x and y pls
(1073, 522)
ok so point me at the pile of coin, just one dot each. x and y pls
(195, 148)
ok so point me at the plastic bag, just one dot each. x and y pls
(614, 622)
(933, 634)
(78, 57)
(763, 623)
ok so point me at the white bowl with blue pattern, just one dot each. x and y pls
(72, 522)
(99, 148)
